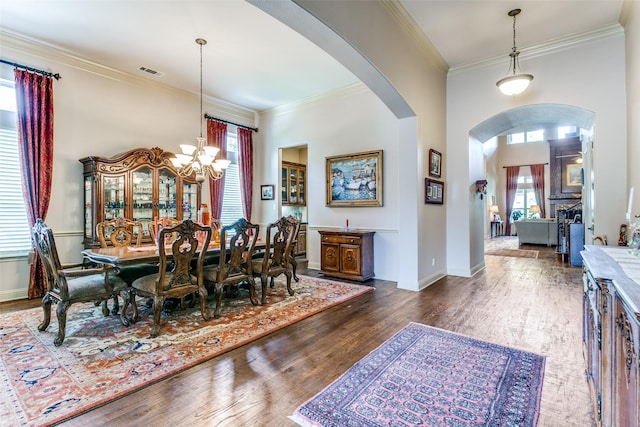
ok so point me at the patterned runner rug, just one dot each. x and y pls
(101, 360)
(519, 253)
(431, 377)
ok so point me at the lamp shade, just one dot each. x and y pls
(514, 85)
(493, 209)
(534, 209)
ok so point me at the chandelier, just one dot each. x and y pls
(200, 159)
(514, 84)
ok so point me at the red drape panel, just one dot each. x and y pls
(217, 137)
(245, 146)
(34, 95)
(512, 186)
(537, 175)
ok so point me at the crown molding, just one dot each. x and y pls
(409, 25)
(311, 101)
(18, 45)
(550, 46)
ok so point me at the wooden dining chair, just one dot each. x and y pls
(234, 266)
(191, 241)
(120, 232)
(277, 259)
(68, 284)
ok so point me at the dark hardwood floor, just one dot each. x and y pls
(531, 304)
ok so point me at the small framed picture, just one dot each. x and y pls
(433, 191)
(435, 163)
(266, 192)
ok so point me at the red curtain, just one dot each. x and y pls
(34, 94)
(512, 186)
(217, 137)
(537, 175)
(245, 146)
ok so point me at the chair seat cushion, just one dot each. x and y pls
(132, 272)
(147, 284)
(92, 285)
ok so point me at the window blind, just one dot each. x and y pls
(15, 236)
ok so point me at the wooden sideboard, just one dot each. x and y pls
(347, 254)
(611, 335)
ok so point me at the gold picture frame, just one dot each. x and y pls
(354, 179)
(574, 175)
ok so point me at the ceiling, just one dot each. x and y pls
(252, 60)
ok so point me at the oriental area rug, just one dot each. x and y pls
(431, 377)
(101, 360)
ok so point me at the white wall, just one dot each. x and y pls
(100, 112)
(632, 36)
(589, 76)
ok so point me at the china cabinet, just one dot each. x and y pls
(347, 254)
(140, 185)
(611, 335)
(293, 184)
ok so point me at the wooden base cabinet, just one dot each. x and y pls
(347, 254)
(611, 339)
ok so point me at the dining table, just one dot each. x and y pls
(144, 254)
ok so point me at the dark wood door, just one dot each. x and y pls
(330, 257)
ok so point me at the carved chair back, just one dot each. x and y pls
(119, 232)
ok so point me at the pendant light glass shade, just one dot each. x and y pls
(514, 85)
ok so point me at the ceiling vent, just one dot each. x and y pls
(151, 71)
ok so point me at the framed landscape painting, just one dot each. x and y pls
(355, 179)
(433, 191)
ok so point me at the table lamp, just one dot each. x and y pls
(534, 210)
(494, 210)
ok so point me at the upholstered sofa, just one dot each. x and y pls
(537, 231)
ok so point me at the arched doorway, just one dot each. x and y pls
(548, 116)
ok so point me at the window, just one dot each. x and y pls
(525, 198)
(15, 235)
(232, 197)
(567, 132)
(524, 137)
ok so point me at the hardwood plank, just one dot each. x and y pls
(531, 304)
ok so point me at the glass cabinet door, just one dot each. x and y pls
(167, 197)
(284, 190)
(113, 196)
(88, 207)
(301, 183)
(190, 201)
(293, 186)
(142, 197)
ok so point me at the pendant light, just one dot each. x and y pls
(200, 159)
(514, 84)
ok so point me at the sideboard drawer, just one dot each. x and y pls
(350, 240)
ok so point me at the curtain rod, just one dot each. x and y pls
(35, 70)
(208, 117)
(504, 167)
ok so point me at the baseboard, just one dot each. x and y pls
(13, 294)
